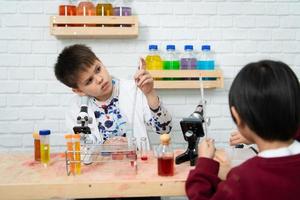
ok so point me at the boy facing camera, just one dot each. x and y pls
(112, 102)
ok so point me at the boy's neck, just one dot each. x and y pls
(269, 145)
(106, 97)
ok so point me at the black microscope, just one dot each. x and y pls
(192, 129)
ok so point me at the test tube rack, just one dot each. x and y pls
(93, 154)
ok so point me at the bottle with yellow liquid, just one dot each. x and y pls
(45, 146)
(153, 59)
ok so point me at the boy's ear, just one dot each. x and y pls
(78, 91)
(236, 116)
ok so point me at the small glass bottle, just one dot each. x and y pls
(144, 149)
(37, 146)
(45, 146)
(165, 157)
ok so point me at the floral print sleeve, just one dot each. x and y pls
(160, 120)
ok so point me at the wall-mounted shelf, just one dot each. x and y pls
(94, 26)
(216, 75)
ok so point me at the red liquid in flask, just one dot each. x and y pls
(165, 166)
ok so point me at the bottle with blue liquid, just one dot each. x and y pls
(206, 60)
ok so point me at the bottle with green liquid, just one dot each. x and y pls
(171, 60)
(45, 146)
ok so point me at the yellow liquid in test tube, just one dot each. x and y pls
(45, 154)
(76, 141)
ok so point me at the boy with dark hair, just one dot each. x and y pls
(112, 102)
(264, 101)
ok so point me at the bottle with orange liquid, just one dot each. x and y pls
(165, 157)
(67, 10)
(86, 8)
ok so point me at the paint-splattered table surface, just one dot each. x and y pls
(23, 178)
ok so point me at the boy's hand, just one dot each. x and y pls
(207, 148)
(143, 78)
(237, 138)
(118, 140)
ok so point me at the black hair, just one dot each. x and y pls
(72, 60)
(266, 95)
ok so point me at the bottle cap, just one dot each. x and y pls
(170, 47)
(188, 47)
(165, 138)
(44, 132)
(205, 47)
(152, 47)
(36, 136)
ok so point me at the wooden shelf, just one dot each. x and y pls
(187, 84)
(94, 26)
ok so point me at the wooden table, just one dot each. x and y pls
(23, 178)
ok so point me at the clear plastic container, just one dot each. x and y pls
(206, 59)
(45, 146)
(188, 59)
(165, 157)
(153, 59)
(171, 59)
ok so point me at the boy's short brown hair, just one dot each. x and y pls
(71, 61)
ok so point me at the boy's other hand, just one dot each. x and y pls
(237, 138)
(143, 78)
(207, 148)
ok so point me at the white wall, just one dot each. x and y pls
(239, 31)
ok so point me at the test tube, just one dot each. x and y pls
(132, 153)
(37, 146)
(45, 146)
(70, 152)
(144, 149)
(76, 140)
